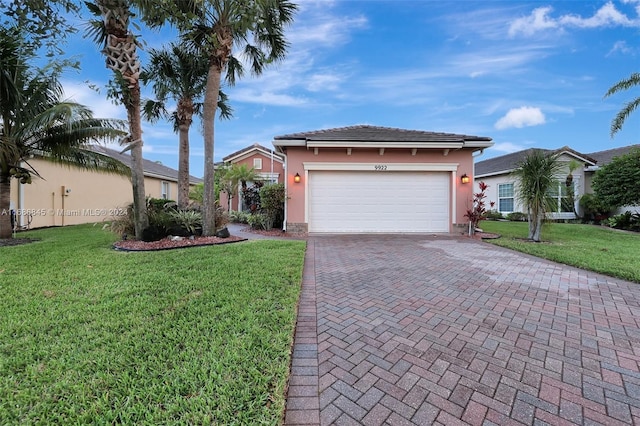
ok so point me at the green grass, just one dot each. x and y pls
(589, 247)
(193, 336)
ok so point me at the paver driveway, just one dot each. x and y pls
(443, 330)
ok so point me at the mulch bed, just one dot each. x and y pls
(169, 243)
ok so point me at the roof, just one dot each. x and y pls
(248, 150)
(151, 168)
(509, 162)
(605, 157)
(376, 136)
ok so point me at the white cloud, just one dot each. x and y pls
(620, 46)
(83, 93)
(540, 19)
(521, 117)
(324, 81)
(537, 21)
(507, 147)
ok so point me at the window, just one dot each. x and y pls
(505, 198)
(257, 163)
(561, 199)
(164, 190)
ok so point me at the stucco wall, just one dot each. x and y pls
(70, 196)
(580, 182)
(268, 169)
(296, 157)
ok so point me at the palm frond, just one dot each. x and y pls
(626, 84)
(621, 117)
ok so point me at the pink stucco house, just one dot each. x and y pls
(369, 179)
(268, 165)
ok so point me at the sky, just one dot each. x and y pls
(524, 73)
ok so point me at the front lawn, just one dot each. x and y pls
(195, 336)
(590, 247)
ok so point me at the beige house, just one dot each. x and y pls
(370, 179)
(502, 190)
(68, 195)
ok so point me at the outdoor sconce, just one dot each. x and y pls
(297, 178)
(464, 178)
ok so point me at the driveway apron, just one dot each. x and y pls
(422, 330)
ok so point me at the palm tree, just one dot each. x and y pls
(626, 84)
(36, 122)
(234, 175)
(536, 177)
(120, 49)
(257, 28)
(178, 74)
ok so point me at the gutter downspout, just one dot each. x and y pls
(286, 187)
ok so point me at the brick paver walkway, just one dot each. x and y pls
(442, 330)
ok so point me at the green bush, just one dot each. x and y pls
(517, 217)
(628, 221)
(272, 199)
(189, 221)
(239, 217)
(258, 221)
(594, 208)
(493, 215)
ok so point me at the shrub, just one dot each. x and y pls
(239, 217)
(221, 217)
(272, 199)
(189, 221)
(594, 208)
(493, 215)
(627, 220)
(123, 225)
(517, 217)
(477, 212)
(258, 221)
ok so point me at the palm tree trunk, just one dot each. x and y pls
(183, 168)
(208, 115)
(120, 52)
(141, 218)
(5, 205)
(535, 226)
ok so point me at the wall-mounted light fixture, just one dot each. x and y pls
(464, 178)
(297, 178)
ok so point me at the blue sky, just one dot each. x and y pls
(527, 74)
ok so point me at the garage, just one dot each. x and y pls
(378, 202)
(372, 179)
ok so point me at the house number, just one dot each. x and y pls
(380, 167)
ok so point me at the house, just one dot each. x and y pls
(69, 195)
(268, 165)
(496, 173)
(369, 179)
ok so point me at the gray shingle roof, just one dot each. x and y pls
(605, 157)
(503, 163)
(379, 134)
(508, 162)
(150, 167)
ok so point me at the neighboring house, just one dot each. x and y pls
(268, 165)
(368, 179)
(68, 195)
(496, 172)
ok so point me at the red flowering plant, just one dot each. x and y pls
(478, 211)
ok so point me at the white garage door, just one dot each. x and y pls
(343, 202)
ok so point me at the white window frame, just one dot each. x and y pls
(166, 195)
(257, 163)
(512, 197)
